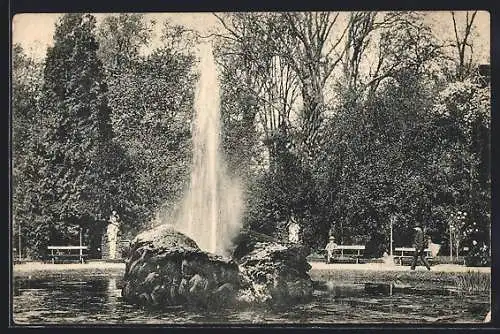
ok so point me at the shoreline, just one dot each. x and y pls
(94, 268)
(383, 267)
(383, 273)
(318, 268)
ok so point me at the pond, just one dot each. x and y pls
(88, 300)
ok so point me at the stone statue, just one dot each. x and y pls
(112, 233)
(293, 231)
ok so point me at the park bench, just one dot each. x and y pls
(347, 252)
(401, 253)
(61, 253)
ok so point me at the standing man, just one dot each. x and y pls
(419, 245)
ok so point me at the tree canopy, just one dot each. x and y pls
(341, 122)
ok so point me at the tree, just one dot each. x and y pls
(463, 44)
(27, 78)
(151, 97)
(465, 108)
(76, 183)
(283, 56)
(121, 38)
(380, 133)
(280, 59)
(254, 73)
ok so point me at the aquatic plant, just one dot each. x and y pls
(473, 282)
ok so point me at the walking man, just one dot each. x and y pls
(419, 245)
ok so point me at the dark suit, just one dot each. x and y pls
(419, 244)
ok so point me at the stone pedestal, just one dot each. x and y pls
(122, 246)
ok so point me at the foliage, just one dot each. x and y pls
(121, 38)
(335, 120)
(151, 97)
(152, 104)
(76, 180)
(391, 144)
(464, 107)
(27, 78)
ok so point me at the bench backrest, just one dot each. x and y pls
(408, 249)
(427, 251)
(355, 247)
(67, 247)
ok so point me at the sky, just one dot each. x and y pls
(34, 31)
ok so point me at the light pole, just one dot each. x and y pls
(489, 233)
(19, 235)
(391, 240)
(451, 240)
(81, 251)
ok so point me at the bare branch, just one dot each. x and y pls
(226, 26)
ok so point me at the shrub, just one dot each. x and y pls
(477, 261)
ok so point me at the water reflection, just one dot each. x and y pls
(97, 300)
(384, 289)
(388, 289)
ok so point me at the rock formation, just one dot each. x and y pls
(166, 268)
(276, 274)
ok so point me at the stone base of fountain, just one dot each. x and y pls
(276, 274)
(166, 268)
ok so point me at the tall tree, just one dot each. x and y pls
(284, 56)
(463, 44)
(27, 78)
(311, 42)
(79, 181)
(381, 122)
(151, 97)
(121, 37)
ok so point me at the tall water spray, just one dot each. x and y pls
(212, 206)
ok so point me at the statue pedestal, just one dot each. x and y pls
(112, 248)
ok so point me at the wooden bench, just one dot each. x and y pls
(401, 253)
(67, 253)
(347, 252)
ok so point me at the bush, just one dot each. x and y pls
(478, 257)
(477, 261)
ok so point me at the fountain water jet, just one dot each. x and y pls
(212, 207)
(187, 264)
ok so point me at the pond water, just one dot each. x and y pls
(84, 299)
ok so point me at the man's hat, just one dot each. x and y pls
(417, 224)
